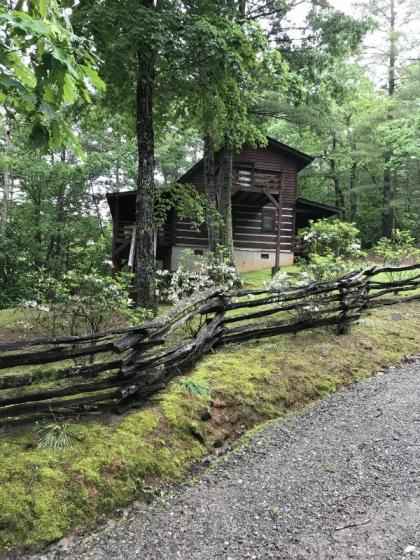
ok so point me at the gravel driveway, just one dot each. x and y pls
(339, 481)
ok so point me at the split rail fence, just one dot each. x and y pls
(122, 368)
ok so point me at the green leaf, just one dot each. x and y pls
(93, 76)
(69, 90)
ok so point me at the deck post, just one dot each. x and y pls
(278, 205)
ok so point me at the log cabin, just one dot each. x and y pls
(266, 212)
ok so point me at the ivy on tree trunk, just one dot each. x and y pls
(210, 187)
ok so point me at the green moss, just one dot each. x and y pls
(44, 494)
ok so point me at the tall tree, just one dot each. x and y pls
(392, 18)
(146, 72)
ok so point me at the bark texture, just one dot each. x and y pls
(211, 193)
(145, 257)
(225, 199)
(6, 183)
(353, 178)
(338, 190)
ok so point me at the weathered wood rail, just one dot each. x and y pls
(125, 366)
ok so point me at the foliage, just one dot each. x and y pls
(80, 303)
(332, 246)
(281, 280)
(321, 268)
(335, 239)
(399, 250)
(196, 274)
(56, 435)
(45, 69)
(189, 204)
(194, 387)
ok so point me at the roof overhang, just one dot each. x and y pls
(316, 209)
(303, 159)
(126, 203)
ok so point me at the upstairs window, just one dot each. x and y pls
(244, 175)
(268, 220)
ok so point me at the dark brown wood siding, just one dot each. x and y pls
(271, 169)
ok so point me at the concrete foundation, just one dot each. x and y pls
(246, 260)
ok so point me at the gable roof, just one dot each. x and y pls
(302, 158)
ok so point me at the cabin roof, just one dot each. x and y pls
(317, 208)
(302, 159)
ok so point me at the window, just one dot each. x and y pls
(265, 256)
(244, 175)
(268, 220)
(198, 252)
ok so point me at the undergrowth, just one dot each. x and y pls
(46, 492)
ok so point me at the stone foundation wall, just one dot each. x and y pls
(247, 260)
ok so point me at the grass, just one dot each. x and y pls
(260, 277)
(46, 493)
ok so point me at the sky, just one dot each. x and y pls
(375, 41)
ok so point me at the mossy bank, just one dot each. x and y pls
(45, 494)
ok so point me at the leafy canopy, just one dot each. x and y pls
(45, 69)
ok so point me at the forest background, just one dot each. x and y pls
(115, 95)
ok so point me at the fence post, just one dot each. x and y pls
(344, 324)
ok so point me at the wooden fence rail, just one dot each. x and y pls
(121, 368)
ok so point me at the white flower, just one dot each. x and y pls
(108, 262)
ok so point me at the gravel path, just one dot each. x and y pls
(337, 482)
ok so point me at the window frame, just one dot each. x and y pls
(272, 212)
(243, 166)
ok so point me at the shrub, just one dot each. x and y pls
(332, 239)
(196, 275)
(80, 303)
(333, 246)
(323, 268)
(398, 250)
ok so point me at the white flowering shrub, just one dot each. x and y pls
(332, 248)
(281, 280)
(332, 239)
(323, 268)
(284, 280)
(204, 273)
(80, 303)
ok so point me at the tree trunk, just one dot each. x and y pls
(338, 191)
(145, 256)
(352, 192)
(210, 187)
(353, 176)
(6, 182)
(225, 199)
(387, 195)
